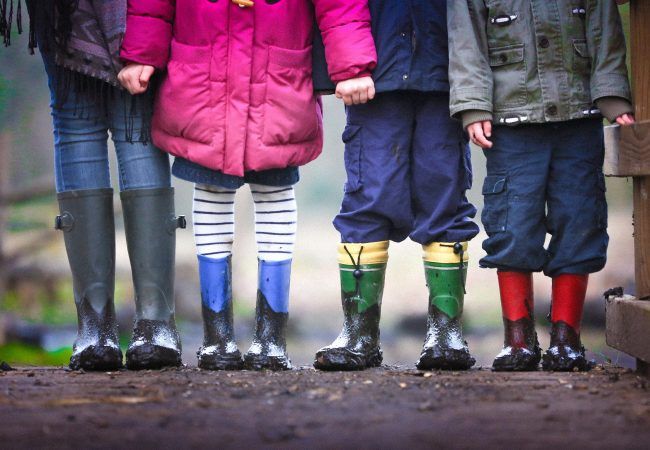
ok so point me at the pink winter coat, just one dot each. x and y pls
(237, 93)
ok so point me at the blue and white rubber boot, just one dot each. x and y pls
(269, 347)
(219, 350)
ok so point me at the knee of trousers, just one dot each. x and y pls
(510, 250)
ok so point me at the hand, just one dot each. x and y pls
(625, 119)
(356, 90)
(135, 78)
(479, 132)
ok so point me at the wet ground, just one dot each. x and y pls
(381, 408)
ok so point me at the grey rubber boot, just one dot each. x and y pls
(86, 219)
(150, 226)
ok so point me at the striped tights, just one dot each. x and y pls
(275, 221)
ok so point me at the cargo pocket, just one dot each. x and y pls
(509, 72)
(290, 111)
(581, 70)
(602, 202)
(495, 208)
(352, 157)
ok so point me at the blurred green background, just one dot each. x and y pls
(37, 315)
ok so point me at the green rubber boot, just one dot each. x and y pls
(150, 226)
(362, 269)
(445, 268)
(86, 219)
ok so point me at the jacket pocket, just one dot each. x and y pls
(495, 208)
(186, 105)
(509, 75)
(291, 113)
(581, 70)
(352, 157)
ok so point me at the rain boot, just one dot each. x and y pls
(445, 267)
(521, 350)
(86, 219)
(219, 350)
(362, 269)
(150, 226)
(566, 352)
(269, 347)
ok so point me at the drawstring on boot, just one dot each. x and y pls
(458, 250)
(358, 273)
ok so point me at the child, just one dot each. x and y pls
(80, 46)
(236, 105)
(408, 168)
(535, 69)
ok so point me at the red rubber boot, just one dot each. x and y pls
(566, 352)
(521, 350)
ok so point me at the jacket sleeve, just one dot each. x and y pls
(606, 46)
(349, 45)
(148, 32)
(470, 75)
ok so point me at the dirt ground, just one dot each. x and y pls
(390, 407)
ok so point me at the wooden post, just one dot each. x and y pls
(640, 48)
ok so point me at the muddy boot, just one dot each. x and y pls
(269, 347)
(219, 351)
(150, 226)
(566, 352)
(445, 267)
(362, 269)
(521, 350)
(88, 227)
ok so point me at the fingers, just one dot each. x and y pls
(477, 134)
(356, 91)
(145, 76)
(625, 119)
(487, 127)
(363, 96)
(135, 78)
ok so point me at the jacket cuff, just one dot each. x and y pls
(614, 107)
(475, 115)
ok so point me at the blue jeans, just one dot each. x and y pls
(408, 166)
(81, 148)
(546, 178)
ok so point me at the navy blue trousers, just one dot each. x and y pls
(408, 167)
(546, 178)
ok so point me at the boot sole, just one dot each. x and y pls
(98, 358)
(551, 363)
(445, 359)
(265, 362)
(344, 360)
(152, 357)
(231, 361)
(518, 363)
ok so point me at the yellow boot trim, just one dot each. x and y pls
(372, 253)
(443, 253)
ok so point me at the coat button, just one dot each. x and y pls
(551, 110)
(544, 42)
(503, 58)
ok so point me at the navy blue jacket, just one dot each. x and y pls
(411, 39)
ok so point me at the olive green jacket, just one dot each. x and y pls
(535, 61)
